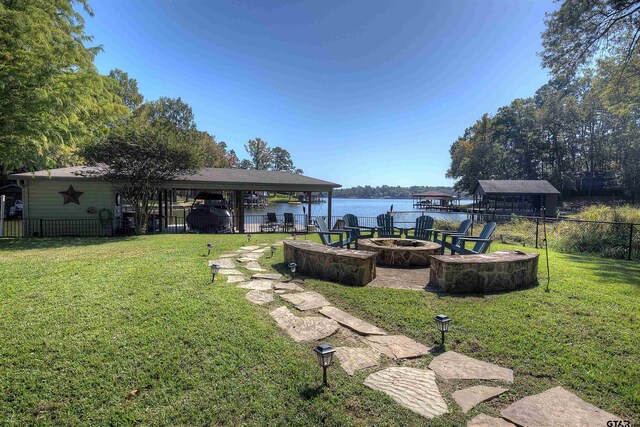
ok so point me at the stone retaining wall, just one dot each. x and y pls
(346, 266)
(493, 272)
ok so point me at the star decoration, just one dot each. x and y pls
(71, 196)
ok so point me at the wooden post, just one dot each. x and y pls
(309, 210)
(240, 196)
(329, 206)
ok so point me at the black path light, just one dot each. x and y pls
(215, 268)
(248, 237)
(209, 247)
(292, 267)
(273, 250)
(443, 324)
(325, 357)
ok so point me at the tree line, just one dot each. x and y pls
(386, 192)
(585, 122)
(54, 104)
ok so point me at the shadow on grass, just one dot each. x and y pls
(309, 392)
(610, 270)
(23, 243)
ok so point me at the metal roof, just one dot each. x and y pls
(434, 194)
(508, 186)
(207, 178)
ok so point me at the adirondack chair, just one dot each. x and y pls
(271, 222)
(289, 222)
(385, 226)
(423, 228)
(440, 236)
(482, 242)
(357, 231)
(325, 234)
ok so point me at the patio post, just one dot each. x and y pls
(329, 205)
(308, 209)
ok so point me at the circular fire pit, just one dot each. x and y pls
(401, 252)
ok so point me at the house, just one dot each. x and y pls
(524, 197)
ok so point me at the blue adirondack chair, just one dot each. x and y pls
(357, 231)
(440, 236)
(325, 235)
(423, 229)
(482, 242)
(385, 226)
(289, 222)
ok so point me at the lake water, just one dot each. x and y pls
(403, 208)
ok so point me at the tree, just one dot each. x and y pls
(213, 153)
(52, 98)
(233, 158)
(260, 153)
(281, 160)
(171, 113)
(127, 89)
(245, 164)
(138, 158)
(580, 30)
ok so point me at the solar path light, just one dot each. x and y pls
(215, 268)
(273, 250)
(442, 322)
(209, 247)
(248, 238)
(325, 357)
(292, 267)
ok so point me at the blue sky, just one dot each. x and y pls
(360, 92)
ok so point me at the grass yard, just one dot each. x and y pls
(124, 331)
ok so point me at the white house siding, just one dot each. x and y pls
(48, 216)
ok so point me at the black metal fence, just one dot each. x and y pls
(607, 239)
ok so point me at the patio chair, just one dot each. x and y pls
(440, 236)
(423, 228)
(271, 222)
(325, 234)
(482, 242)
(385, 227)
(357, 231)
(289, 222)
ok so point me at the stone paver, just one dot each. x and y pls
(280, 291)
(452, 365)
(261, 250)
(288, 287)
(414, 389)
(258, 285)
(306, 300)
(259, 297)
(353, 359)
(308, 328)
(235, 279)
(351, 322)
(254, 266)
(230, 272)
(245, 259)
(470, 397)
(228, 255)
(414, 279)
(556, 407)
(483, 420)
(249, 248)
(223, 263)
(397, 346)
(270, 276)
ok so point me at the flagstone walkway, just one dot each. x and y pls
(413, 388)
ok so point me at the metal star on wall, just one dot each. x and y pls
(71, 195)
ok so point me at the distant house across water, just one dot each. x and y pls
(524, 197)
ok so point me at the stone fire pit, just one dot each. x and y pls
(400, 252)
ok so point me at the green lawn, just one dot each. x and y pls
(87, 321)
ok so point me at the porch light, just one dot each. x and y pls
(215, 268)
(292, 267)
(273, 250)
(325, 357)
(442, 322)
(209, 247)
